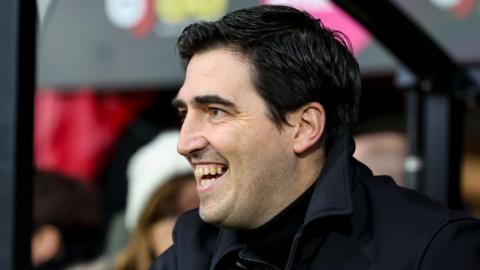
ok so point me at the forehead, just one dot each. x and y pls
(217, 72)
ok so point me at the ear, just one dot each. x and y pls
(310, 122)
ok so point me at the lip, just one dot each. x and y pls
(207, 163)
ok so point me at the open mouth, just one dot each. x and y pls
(207, 174)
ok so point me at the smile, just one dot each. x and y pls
(207, 174)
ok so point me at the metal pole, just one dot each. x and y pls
(17, 73)
(414, 161)
(443, 143)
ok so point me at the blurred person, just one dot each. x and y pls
(470, 185)
(68, 220)
(161, 187)
(146, 126)
(267, 103)
(384, 152)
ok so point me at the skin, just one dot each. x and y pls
(226, 123)
(161, 235)
(46, 244)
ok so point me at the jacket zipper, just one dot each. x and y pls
(253, 260)
(294, 247)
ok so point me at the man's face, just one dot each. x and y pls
(244, 165)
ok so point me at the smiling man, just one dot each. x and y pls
(268, 99)
(247, 168)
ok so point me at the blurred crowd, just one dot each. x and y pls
(70, 222)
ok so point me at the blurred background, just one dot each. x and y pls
(106, 71)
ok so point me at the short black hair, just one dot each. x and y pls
(295, 60)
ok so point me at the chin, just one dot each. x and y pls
(226, 223)
(215, 219)
(208, 216)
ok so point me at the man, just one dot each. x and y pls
(268, 98)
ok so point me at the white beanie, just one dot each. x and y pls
(149, 168)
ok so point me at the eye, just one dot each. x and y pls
(216, 113)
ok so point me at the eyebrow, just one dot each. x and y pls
(204, 100)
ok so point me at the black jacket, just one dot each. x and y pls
(354, 221)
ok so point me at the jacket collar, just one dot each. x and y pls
(332, 195)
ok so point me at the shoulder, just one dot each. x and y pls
(399, 203)
(193, 242)
(456, 245)
(439, 238)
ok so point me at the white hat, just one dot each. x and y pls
(149, 168)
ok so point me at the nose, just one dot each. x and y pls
(192, 138)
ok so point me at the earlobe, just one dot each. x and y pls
(311, 119)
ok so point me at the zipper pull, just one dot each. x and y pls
(240, 265)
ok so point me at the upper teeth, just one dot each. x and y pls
(201, 171)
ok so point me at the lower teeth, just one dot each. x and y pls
(205, 182)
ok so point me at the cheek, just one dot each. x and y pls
(264, 151)
(250, 143)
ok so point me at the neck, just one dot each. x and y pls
(308, 170)
(272, 241)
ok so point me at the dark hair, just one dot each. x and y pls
(295, 59)
(75, 209)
